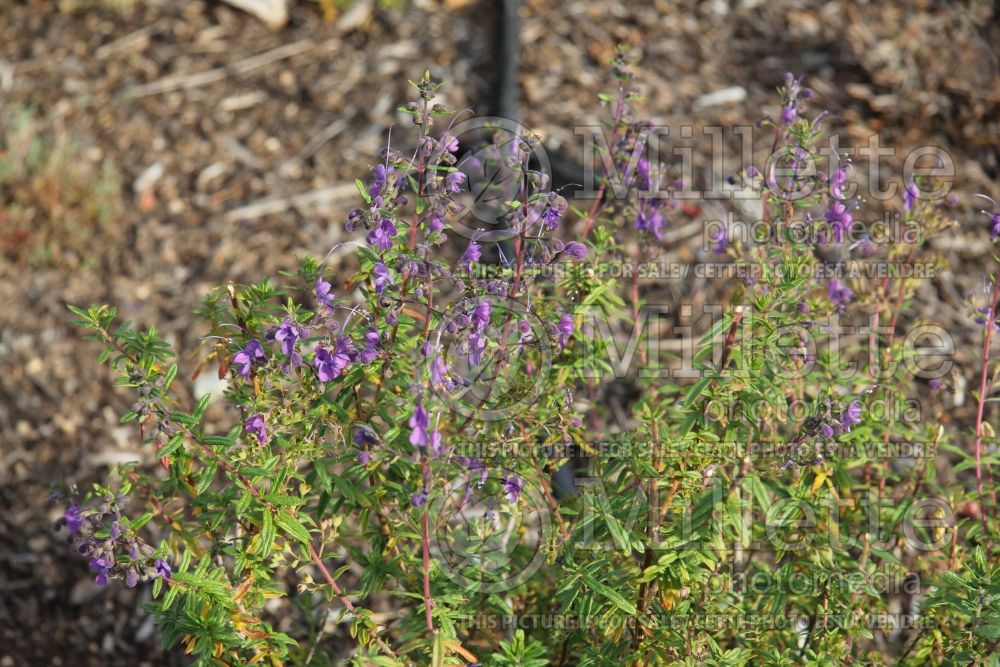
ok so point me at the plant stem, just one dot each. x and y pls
(983, 378)
(343, 598)
(425, 539)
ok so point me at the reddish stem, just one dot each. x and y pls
(425, 539)
(983, 378)
(343, 598)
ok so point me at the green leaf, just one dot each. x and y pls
(363, 191)
(199, 412)
(611, 595)
(169, 376)
(695, 391)
(267, 533)
(173, 445)
(292, 527)
(206, 477)
(287, 501)
(616, 529)
(437, 652)
(207, 585)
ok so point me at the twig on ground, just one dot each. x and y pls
(197, 79)
(272, 205)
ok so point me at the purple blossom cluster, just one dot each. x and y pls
(851, 416)
(251, 355)
(404, 273)
(793, 95)
(419, 436)
(288, 334)
(985, 314)
(113, 550)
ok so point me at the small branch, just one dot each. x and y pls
(132, 41)
(324, 135)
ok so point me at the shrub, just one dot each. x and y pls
(394, 444)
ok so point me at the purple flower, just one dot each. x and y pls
(826, 431)
(512, 487)
(524, 327)
(382, 278)
(163, 568)
(74, 520)
(324, 295)
(103, 565)
(789, 114)
(995, 226)
(910, 196)
(477, 345)
(116, 530)
(985, 313)
(382, 235)
(250, 355)
(381, 178)
(439, 371)
(453, 182)
(839, 293)
(419, 422)
(449, 142)
(364, 438)
(323, 362)
(435, 444)
(289, 334)
(837, 181)
(471, 255)
(867, 246)
(131, 578)
(575, 250)
(372, 345)
(840, 220)
(329, 365)
(721, 239)
(851, 416)
(550, 217)
(256, 426)
(418, 498)
(363, 435)
(352, 219)
(936, 383)
(650, 222)
(642, 171)
(475, 466)
(481, 314)
(564, 329)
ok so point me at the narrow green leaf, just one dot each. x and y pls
(292, 527)
(267, 533)
(611, 595)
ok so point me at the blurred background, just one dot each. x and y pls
(151, 150)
